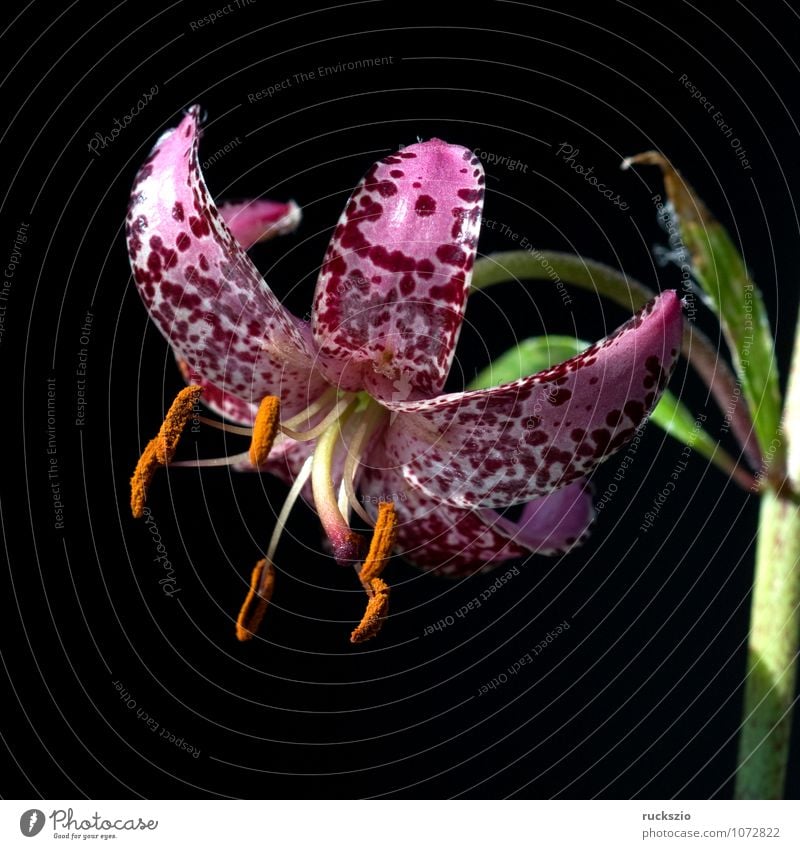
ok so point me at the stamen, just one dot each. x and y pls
(377, 610)
(160, 451)
(383, 540)
(294, 492)
(213, 461)
(175, 421)
(265, 429)
(142, 476)
(228, 428)
(306, 435)
(324, 400)
(262, 583)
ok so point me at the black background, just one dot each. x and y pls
(641, 696)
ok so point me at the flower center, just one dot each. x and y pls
(346, 427)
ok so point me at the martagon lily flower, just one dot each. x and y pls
(347, 407)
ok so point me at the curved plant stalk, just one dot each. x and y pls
(772, 652)
(730, 292)
(629, 293)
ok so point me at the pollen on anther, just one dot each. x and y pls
(257, 601)
(377, 610)
(142, 476)
(265, 429)
(382, 543)
(175, 421)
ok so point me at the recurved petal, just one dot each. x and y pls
(253, 221)
(521, 440)
(550, 525)
(222, 403)
(199, 285)
(393, 286)
(451, 541)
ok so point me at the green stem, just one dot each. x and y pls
(774, 620)
(772, 652)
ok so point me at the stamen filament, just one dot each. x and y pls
(228, 428)
(265, 429)
(375, 614)
(381, 545)
(306, 435)
(213, 461)
(294, 492)
(262, 584)
(323, 401)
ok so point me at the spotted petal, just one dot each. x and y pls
(457, 541)
(393, 286)
(521, 440)
(253, 221)
(199, 285)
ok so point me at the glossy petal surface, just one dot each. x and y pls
(553, 524)
(448, 540)
(393, 286)
(521, 440)
(253, 221)
(200, 287)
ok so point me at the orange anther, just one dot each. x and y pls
(265, 429)
(382, 543)
(257, 601)
(377, 610)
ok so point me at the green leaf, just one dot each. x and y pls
(530, 356)
(733, 296)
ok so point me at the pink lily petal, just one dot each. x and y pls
(224, 404)
(513, 443)
(393, 286)
(456, 542)
(451, 541)
(553, 524)
(199, 285)
(253, 221)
